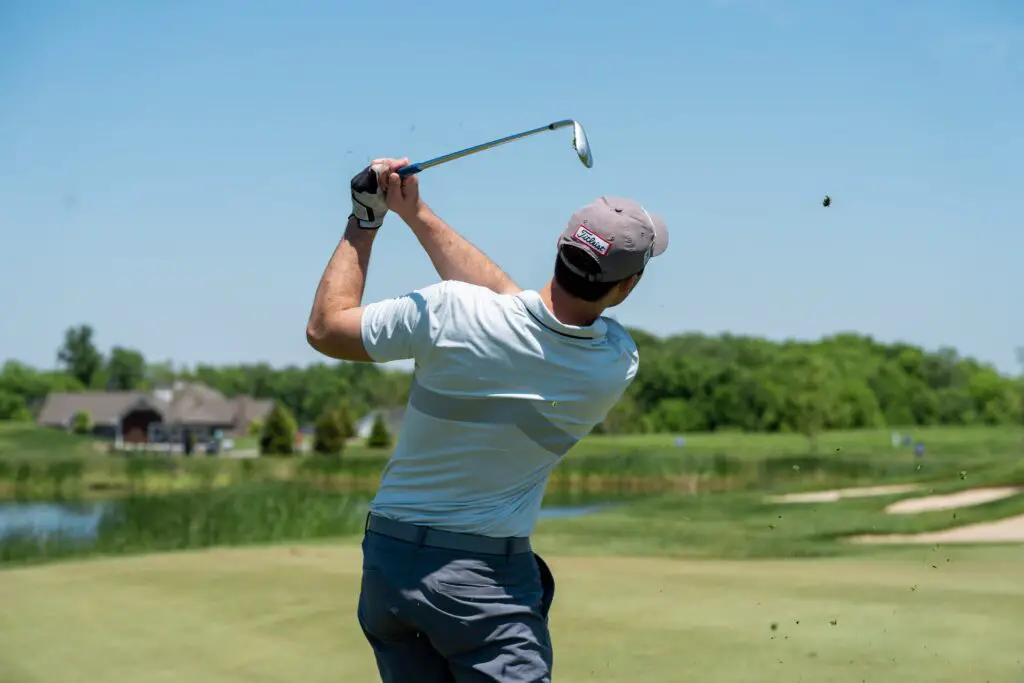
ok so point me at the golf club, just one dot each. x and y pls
(579, 143)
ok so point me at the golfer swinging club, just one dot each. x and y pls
(507, 380)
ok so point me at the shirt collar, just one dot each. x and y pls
(539, 311)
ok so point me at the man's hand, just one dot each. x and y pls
(403, 194)
(369, 203)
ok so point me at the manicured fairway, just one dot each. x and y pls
(287, 614)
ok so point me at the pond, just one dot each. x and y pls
(82, 520)
(42, 520)
(196, 519)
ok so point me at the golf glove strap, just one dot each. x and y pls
(369, 203)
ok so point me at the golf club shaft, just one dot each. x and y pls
(424, 165)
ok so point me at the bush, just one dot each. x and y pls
(255, 427)
(278, 437)
(379, 436)
(12, 407)
(82, 423)
(329, 432)
(345, 417)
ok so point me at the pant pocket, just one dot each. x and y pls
(547, 582)
(377, 615)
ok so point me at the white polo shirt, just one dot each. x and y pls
(501, 391)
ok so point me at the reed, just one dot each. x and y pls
(199, 518)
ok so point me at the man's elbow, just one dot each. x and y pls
(339, 339)
(316, 336)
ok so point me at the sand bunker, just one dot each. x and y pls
(951, 501)
(836, 494)
(1009, 530)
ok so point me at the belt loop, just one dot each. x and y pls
(366, 524)
(421, 535)
(509, 548)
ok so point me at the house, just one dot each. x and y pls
(392, 420)
(159, 416)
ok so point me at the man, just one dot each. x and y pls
(506, 381)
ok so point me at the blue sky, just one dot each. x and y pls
(175, 173)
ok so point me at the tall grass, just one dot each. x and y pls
(610, 474)
(200, 518)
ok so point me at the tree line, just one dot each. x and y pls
(686, 383)
(306, 391)
(695, 382)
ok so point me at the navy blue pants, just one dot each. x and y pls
(434, 615)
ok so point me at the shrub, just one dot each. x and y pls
(278, 437)
(329, 432)
(345, 417)
(12, 407)
(379, 436)
(82, 423)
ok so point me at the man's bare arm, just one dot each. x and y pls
(455, 257)
(335, 322)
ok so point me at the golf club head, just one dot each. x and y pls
(581, 144)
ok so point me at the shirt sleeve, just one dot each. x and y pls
(403, 327)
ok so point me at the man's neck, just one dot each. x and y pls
(567, 309)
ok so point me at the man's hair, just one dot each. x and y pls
(577, 285)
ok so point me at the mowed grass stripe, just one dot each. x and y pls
(288, 613)
(217, 616)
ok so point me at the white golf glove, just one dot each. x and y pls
(369, 203)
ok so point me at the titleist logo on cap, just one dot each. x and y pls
(592, 240)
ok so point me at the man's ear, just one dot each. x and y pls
(627, 285)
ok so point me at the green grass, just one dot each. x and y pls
(746, 525)
(939, 441)
(288, 613)
(24, 440)
(644, 593)
(18, 440)
(724, 461)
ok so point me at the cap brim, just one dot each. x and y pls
(661, 236)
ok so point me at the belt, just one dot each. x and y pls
(449, 540)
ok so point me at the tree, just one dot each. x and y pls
(625, 417)
(79, 355)
(809, 383)
(32, 385)
(158, 374)
(379, 436)
(329, 433)
(345, 417)
(693, 382)
(278, 437)
(678, 415)
(81, 423)
(12, 407)
(126, 369)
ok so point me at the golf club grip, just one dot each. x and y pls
(365, 181)
(409, 170)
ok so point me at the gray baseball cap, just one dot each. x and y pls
(618, 233)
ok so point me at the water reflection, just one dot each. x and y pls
(81, 521)
(43, 520)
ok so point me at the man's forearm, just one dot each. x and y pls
(343, 280)
(454, 257)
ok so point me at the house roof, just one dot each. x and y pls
(105, 408)
(190, 404)
(249, 409)
(199, 404)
